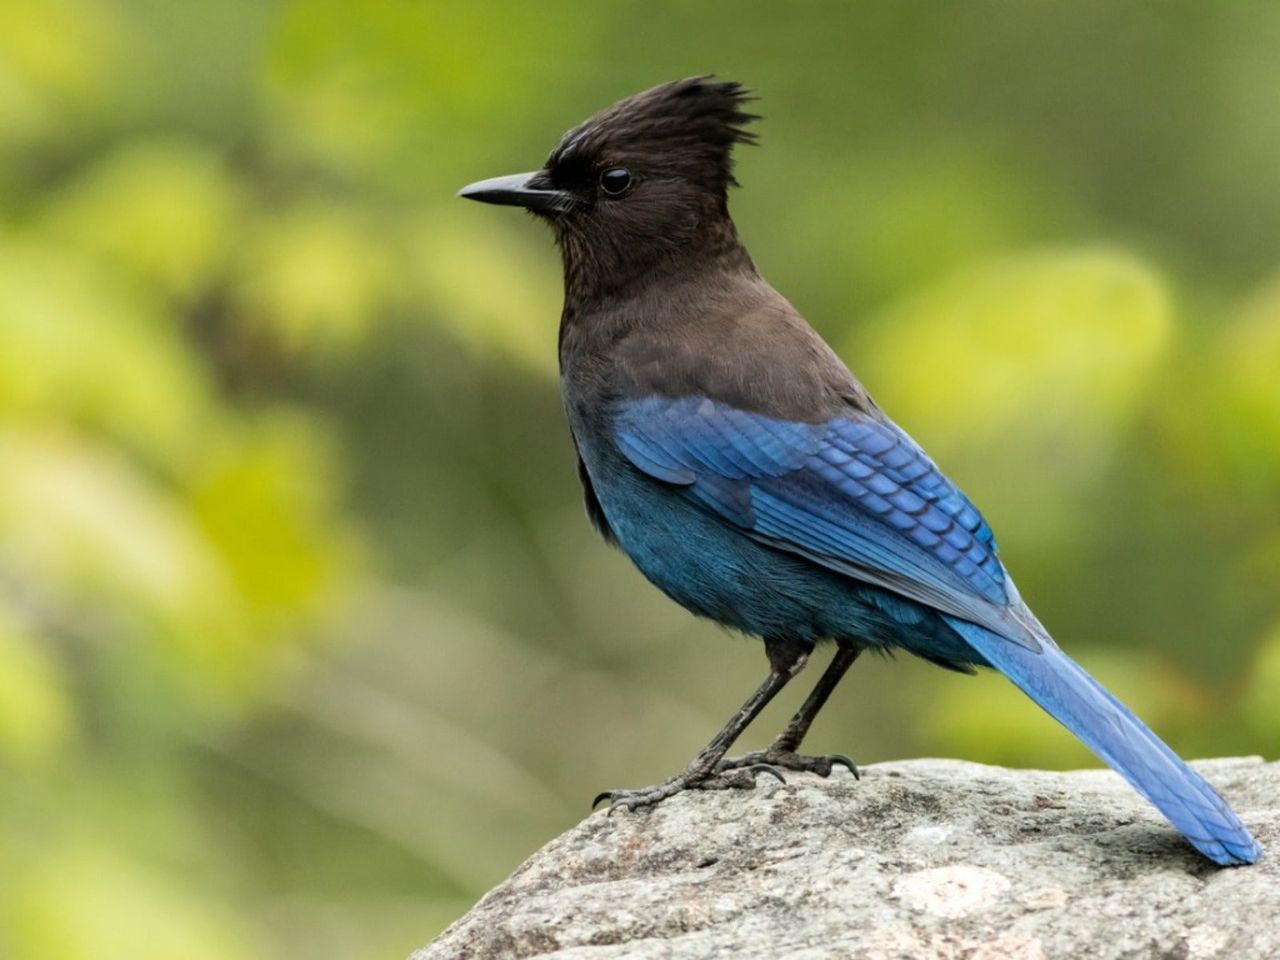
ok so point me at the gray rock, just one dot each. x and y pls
(918, 860)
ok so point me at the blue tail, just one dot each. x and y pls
(1108, 728)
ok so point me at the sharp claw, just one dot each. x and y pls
(844, 761)
(766, 768)
(608, 794)
(617, 805)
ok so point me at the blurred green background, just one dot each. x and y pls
(304, 640)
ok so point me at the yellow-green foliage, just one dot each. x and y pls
(304, 640)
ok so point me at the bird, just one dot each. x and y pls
(750, 476)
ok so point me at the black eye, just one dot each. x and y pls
(615, 181)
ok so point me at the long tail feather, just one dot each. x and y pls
(1108, 728)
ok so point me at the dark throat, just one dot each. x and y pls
(603, 269)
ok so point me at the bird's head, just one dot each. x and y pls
(638, 182)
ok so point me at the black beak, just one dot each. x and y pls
(529, 190)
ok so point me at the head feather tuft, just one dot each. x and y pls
(690, 124)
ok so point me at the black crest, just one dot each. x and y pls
(689, 126)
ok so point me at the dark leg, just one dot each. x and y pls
(786, 659)
(782, 752)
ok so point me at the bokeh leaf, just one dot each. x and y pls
(82, 902)
(37, 714)
(80, 346)
(315, 276)
(1250, 374)
(1261, 706)
(56, 58)
(162, 212)
(266, 504)
(109, 543)
(1055, 343)
(485, 290)
(1025, 369)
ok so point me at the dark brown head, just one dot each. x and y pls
(638, 184)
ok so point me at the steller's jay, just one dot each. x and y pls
(749, 475)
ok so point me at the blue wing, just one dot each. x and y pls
(855, 495)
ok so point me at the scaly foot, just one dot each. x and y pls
(788, 760)
(740, 777)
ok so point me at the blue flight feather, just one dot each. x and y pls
(1108, 728)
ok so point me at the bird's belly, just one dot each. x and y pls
(719, 572)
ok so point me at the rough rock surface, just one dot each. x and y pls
(918, 860)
